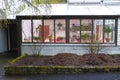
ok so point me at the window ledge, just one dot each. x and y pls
(30, 44)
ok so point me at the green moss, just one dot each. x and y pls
(30, 70)
(18, 58)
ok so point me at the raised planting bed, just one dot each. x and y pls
(63, 63)
(35, 70)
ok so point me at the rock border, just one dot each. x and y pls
(35, 70)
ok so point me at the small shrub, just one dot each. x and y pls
(94, 47)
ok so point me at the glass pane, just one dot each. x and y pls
(26, 31)
(49, 30)
(60, 28)
(109, 31)
(86, 30)
(74, 31)
(98, 31)
(37, 31)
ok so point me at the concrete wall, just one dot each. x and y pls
(3, 40)
(52, 49)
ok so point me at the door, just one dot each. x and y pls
(12, 38)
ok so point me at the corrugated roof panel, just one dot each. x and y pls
(94, 1)
(78, 10)
(59, 10)
(64, 9)
(83, 1)
(100, 10)
(115, 9)
(115, 2)
(75, 1)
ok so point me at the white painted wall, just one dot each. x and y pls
(118, 36)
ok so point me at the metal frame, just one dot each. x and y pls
(67, 18)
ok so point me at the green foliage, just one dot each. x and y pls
(94, 48)
(50, 37)
(4, 24)
(3, 14)
(10, 7)
(36, 37)
(107, 29)
(84, 36)
(20, 8)
(82, 27)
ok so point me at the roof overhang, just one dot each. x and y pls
(64, 9)
(79, 10)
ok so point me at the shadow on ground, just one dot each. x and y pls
(4, 57)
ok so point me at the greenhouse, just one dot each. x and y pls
(67, 28)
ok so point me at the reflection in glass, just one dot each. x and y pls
(60, 31)
(26, 31)
(98, 31)
(109, 30)
(37, 31)
(80, 30)
(49, 30)
(86, 30)
(74, 31)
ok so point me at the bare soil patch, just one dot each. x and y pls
(70, 59)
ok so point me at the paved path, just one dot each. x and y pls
(3, 61)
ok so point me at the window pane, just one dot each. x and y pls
(109, 31)
(86, 30)
(74, 30)
(98, 31)
(26, 31)
(37, 31)
(60, 34)
(49, 30)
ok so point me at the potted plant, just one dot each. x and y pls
(49, 37)
(37, 38)
(107, 30)
(59, 25)
(82, 27)
(84, 36)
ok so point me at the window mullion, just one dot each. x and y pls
(43, 30)
(116, 31)
(32, 29)
(92, 31)
(67, 30)
(103, 30)
(54, 32)
(80, 31)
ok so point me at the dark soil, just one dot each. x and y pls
(70, 59)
